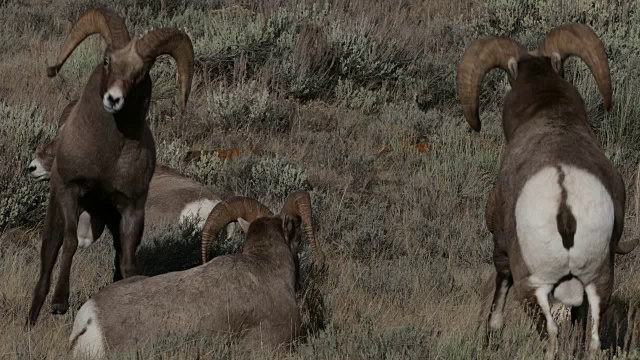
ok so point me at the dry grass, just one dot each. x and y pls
(317, 91)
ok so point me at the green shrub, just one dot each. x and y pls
(360, 98)
(277, 178)
(247, 106)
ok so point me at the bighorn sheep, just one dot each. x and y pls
(250, 295)
(557, 209)
(105, 156)
(172, 197)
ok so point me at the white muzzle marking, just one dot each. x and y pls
(113, 100)
(37, 171)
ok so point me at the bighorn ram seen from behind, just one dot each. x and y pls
(105, 156)
(557, 209)
(250, 295)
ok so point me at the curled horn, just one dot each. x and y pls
(227, 212)
(298, 204)
(490, 209)
(175, 43)
(579, 40)
(93, 21)
(623, 248)
(481, 56)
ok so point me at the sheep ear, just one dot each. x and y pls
(556, 62)
(512, 64)
(244, 224)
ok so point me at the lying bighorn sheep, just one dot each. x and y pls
(557, 210)
(172, 197)
(250, 295)
(105, 156)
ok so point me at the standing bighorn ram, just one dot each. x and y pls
(172, 198)
(250, 295)
(557, 209)
(105, 156)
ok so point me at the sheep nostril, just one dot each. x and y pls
(110, 99)
(32, 168)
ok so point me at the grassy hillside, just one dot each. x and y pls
(354, 101)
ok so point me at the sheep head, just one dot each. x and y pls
(226, 212)
(298, 207)
(126, 62)
(40, 166)
(296, 211)
(525, 67)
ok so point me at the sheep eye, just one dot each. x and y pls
(106, 61)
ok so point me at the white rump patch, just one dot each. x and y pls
(39, 173)
(200, 208)
(87, 332)
(540, 242)
(85, 234)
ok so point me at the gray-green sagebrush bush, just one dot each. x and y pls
(22, 201)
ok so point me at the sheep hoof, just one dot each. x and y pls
(59, 308)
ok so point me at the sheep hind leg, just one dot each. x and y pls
(70, 213)
(597, 306)
(503, 283)
(542, 297)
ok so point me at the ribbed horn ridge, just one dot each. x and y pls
(579, 40)
(481, 56)
(299, 204)
(93, 21)
(227, 212)
(489, 210)
(178, 45)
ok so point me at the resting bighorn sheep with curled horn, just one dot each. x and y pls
(105, 156)
(557, 209)
(250, 295)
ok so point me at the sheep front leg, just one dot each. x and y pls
(70, 213)
(51, 243)
(131, 229)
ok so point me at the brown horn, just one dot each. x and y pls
(227, 212)
(93, 21)
(581, 41)
(623, 248)
(177, 44)
(479, 58)
(489, 210)
(299, 205)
